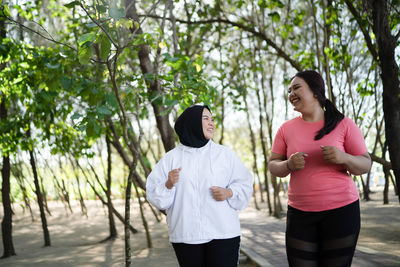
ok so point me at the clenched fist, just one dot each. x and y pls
(220, 194)
(173, 178)
(333, 155)
(297, 161)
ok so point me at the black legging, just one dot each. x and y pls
(326, 238)
(216, 253)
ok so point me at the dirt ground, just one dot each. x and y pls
(76, 239)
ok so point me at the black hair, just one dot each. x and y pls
(332, 115)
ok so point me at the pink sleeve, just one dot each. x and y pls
(279, 145)
(354, 143)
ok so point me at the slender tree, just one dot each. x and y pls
(39, 195)
(6, 224)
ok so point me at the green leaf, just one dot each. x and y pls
(76, 116)
(86, 38)
(84, 55)
(105, 46)
(275, 16)
(4, 11)
(170, 102)
(116, 13)
(51, 66)
(66, 83)
(104, 110)
(102, 8)
(72, 4)
(112, 101)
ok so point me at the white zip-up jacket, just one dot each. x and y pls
(193, 215)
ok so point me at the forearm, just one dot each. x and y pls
(279, 168)
(358, 165)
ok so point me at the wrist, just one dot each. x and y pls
(229, 193)
(168, 184)
(288, 166)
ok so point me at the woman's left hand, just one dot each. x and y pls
(333, 155)
(221, 194)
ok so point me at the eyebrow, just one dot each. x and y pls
(294, 85)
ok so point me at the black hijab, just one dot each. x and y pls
(189, 127)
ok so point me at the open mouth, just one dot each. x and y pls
(294, 100)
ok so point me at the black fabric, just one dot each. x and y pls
(323, 239)
(216, 253)
(189, 127)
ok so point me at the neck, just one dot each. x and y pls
(315, 115)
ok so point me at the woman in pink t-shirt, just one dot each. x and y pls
(319, 149)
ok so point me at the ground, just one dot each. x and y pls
(76, 238)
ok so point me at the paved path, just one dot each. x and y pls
(263, 237)
(75, 239)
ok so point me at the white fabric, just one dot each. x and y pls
(193, 215)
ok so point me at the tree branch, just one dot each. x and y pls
(382, 161)
(50, 38)
(256, 33)
(40, 34)
(100, 26)
(372, 49)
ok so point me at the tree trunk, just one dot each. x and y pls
(6, 224)
(119, 216)
(365, 186)
(61, 188)
(127, 221)
(76, 173)
(113, 229)
(394, 185)
(39, 195)
(253, 148)
(144, 221)
(166, 131)
(390, 80)
(277, 202)
(44, 194)
(263, 139)
(18, 175)
(327, 35)
(386, 171)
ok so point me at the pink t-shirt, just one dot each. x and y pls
(320, 185)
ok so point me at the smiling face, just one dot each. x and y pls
(301, 96)
(208, 124)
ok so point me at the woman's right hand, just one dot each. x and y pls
(173, 178)
(296, 161)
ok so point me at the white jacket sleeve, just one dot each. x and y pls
(241, 184)
(156, 191)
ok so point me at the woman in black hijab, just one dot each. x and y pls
(201, 185)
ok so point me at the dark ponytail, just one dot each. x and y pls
(332, 115)
(332, 118)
